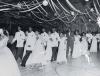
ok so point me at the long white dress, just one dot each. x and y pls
(8, 65)
(84, 46)
(30, 40)
(38, 55)
(61, 57)
(49, 49)
(94, 44)
(77, 47)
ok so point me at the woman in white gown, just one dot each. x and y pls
(29, 49)
(61, 57)
(8, 65)
(84, 47)
(84, 44)
(38, 55)
(77, 46)
(94, 43)
(49, 48)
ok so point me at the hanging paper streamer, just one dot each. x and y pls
(58, 9)
(98, 21)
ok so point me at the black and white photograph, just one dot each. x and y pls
(49, 37)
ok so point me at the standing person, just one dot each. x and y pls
(44, 36)
(49, 48)
(61, 57)
(89, 37)
(77, 45)
(8, 64)
(38, 54)
(94, 44)
(70, 42)
(29, 47)
(98, 42)
(84, 47)
(20, 38)
(55, 40)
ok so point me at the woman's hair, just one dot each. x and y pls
(6, 32)
(93, 33)
(76, 31)
(83, 33)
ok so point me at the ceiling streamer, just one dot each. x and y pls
(96, 8)
(63, 7)
(58, 9)
(42, 7)
(98, 3)
(54, 8)
(41, 18)
(69, 3)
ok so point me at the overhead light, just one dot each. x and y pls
(45, 3)
(91, 9)
(72, 13)
(86, 0)
(89, 20)
(18, 5)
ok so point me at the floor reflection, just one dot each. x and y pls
(74, 67)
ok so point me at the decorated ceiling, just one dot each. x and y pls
(50, 13)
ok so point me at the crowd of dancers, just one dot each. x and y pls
(41, 48)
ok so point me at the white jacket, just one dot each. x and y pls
(20, 38)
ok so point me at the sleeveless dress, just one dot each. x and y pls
(94, 44)
(49, 50)
(38, 55)
(84, 46)
(61, 57)
(77, 47)
(8, 64)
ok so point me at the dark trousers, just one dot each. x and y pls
(28, 52)
(98, 46)
(54, 53)
(89, 45)
(45, 47)
(71, 46)
(19, 53)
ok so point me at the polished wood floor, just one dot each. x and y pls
(74, 67)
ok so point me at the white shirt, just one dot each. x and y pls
(89, 36)
(98, 37)
(30, 41)
(55, 38)
(20, 38)
(44, 38)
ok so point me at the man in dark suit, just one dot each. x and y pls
(70, 42)
(98, 42)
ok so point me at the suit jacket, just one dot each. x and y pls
(70, 39)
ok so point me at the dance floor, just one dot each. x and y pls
(74, 67)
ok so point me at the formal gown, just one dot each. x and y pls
(8, 65)
(38, 55)
(29, 46)
(94, 44)
(49, 50)
(61, 57)
(77, 47)
(84, 46)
